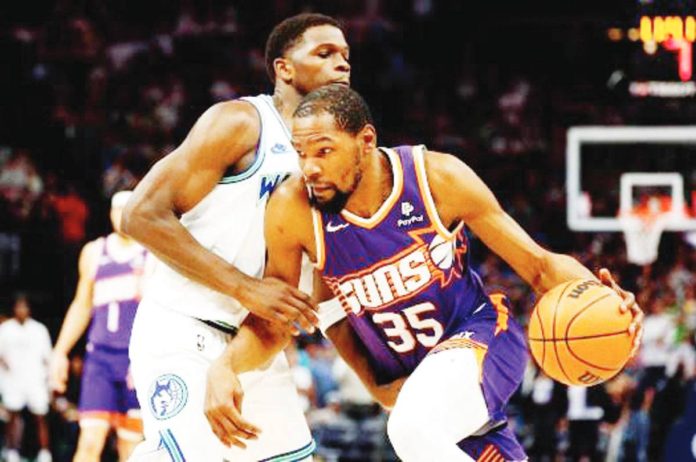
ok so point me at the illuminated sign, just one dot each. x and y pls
(659, 29)
(675, 34)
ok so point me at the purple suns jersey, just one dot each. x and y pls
(115, 298)
(403, 278)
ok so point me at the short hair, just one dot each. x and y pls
(347, 107)
(289, 32)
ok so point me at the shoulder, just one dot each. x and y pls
(93, 248)
(9, 325)
(89, 256)
(444, 169)
(230, 126)
(237, 113)
(292, 191)
(289, 206)
(38, 326)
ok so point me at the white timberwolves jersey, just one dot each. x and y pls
(230, 222)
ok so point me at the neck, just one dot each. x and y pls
(286, 99)
(374, 187)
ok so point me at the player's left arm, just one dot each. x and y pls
(333, 322)
(354, 353)
(288, 218)
(460, 194)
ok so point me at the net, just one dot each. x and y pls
(643, 226)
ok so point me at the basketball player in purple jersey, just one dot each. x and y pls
(385, 229)
(108, 291)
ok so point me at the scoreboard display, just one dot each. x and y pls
(662, 61)
(674, 35)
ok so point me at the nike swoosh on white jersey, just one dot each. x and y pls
(330, 227)
(479, 308)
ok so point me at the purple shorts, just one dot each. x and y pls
(501, 347)
(104, 387)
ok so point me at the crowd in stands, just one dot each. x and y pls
(94, 92)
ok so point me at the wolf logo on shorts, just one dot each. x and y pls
(168, 396)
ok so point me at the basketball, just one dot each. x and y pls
(577, 334)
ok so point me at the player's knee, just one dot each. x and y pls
(90, 444)
(404, 427)
(88, 451)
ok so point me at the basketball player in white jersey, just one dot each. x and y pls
(201, 211)
(111, 281)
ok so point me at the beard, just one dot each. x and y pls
(333, 205)
(340, 198)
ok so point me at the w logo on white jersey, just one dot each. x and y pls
(270, 182)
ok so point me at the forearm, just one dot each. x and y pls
(353, 353)
(75, 324)
(254, 346)
(159, 230)
(558, 268)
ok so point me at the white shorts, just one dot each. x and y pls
(19, 393)
(170, 354)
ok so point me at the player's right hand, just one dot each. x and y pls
(223, 406)
(58, 372)
(280, 303)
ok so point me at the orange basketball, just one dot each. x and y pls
(577, 334)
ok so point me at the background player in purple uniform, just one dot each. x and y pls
(109, 289)
(385, 230)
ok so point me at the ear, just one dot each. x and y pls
(367, 137)
(284, 70)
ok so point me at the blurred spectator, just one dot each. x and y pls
(516, 129)
(586, 410)
(25, 348)
(20, 184)
(355, 399)
(320, 356)
(72, 213)
(302, 377)
(546, 401)
(682, 361)
(117, 178)
(670, 398)
(635, 438)
(689, 307)
(659, 329)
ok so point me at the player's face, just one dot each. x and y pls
(320, 58)
(330, 159)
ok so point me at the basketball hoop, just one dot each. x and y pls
(643, 225)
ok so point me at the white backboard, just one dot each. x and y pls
(577, 216)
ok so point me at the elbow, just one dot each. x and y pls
(134, 220)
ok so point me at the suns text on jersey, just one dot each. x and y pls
(387, 282)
